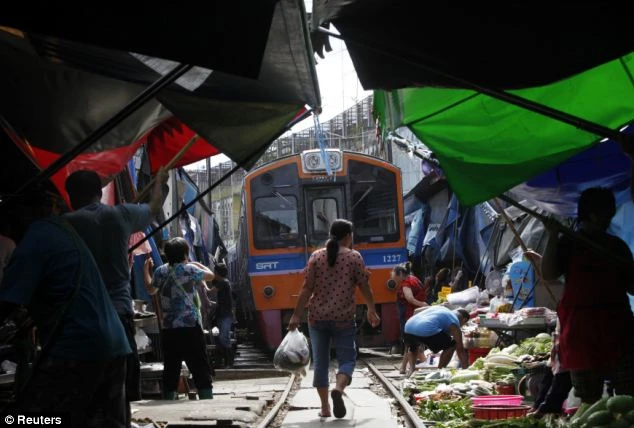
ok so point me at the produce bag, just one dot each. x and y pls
(293, 354)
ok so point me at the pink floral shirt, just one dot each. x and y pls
(333, 287)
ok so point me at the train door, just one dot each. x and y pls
(322, 206)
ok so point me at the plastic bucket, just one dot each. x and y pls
(475, 353)
(503, 389)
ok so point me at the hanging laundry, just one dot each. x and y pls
(144, 248)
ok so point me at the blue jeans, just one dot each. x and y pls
(224, 325)
(342, 334)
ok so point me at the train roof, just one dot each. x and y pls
(259, 168)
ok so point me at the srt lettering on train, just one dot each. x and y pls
(266, 265)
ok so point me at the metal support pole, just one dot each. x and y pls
(208, 165)
(520, 241)
(110, 124)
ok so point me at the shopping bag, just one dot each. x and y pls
(293, 354)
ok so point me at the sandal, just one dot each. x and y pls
(321, 415)
(339, 408)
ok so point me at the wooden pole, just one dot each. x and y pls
(169, 166)
(538, 271)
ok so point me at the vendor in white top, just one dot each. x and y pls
(438, 328)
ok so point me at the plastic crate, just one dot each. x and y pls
(500, 412)
(497, 400)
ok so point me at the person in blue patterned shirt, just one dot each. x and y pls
(176, 283)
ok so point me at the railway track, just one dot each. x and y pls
(383, 382)
(253, 394)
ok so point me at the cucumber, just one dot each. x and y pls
(620, 404)
(598, 406)
(602, 417)
(619, 423)
(580, 411)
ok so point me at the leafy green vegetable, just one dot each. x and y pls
(550, 421)
(439, 411)
(477, 364)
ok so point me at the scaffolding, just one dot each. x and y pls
(353, 130)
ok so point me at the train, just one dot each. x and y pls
(287, 207)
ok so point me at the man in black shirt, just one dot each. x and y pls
(224, 312)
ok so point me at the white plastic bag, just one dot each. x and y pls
(463, 298)
(142, 340)
(293, 354)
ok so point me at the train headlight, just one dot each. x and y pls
(269, 291)
(391, 284)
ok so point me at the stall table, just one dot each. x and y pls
(507, 334)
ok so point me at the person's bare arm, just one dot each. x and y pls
(208, 274)
(456, 281)
(148, 266)
(302, 300)
(368, 298)
(409, 296)
(456, 333)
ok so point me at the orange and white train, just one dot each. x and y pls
(287, 208)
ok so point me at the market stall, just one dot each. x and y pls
(500, 387)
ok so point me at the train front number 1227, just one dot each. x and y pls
(392, 258)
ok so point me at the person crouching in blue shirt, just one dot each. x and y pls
(438, 328)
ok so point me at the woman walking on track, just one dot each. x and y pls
(331, 275)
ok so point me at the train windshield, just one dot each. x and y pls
(323, 205)
(276, 221)
(374, 203)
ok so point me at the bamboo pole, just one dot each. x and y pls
(169, 166)
(538, 271)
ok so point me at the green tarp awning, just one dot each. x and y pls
(487, 146)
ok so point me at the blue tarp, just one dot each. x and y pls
(416, 233)
(558, 190)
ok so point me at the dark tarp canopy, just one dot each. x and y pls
(56, 92)
(505, 46)
(233, 34)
